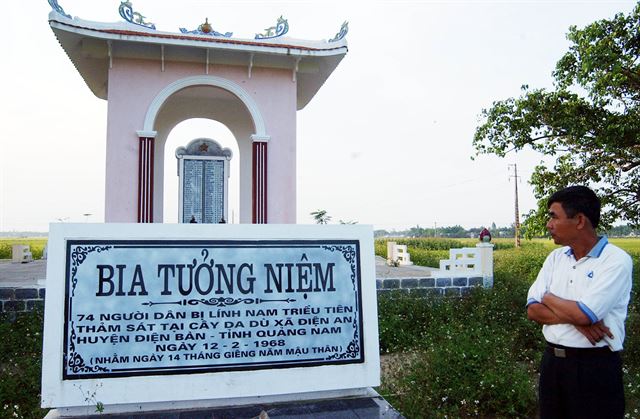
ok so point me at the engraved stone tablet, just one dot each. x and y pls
(203, 167)
(209, 313)
(151, 307)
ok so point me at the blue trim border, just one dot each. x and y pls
(532, 301)
(599, 247)
(587, 311)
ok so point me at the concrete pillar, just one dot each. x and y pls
(486, 263)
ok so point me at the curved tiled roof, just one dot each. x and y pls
(311, 62)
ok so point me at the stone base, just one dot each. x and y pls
(367, 407)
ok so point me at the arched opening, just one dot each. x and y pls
(203, 111)
(180, 135)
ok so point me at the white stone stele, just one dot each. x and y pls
(21, 253)
(398, 253)
(168, 392)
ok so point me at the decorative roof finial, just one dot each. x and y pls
(282, 27)
(344, 29)
(55, 6)
(206, 26)
(127, 13)
(206, 29)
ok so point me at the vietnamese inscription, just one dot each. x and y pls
(151, 307)
(203, 191)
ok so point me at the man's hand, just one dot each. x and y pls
(595, 332)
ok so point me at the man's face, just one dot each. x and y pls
(562, 228)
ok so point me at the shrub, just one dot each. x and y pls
(479, 355)
(20, 365)
(466, 372)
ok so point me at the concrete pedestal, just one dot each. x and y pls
(365, 407)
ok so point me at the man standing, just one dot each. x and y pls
(581, 296)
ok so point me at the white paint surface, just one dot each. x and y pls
(138, 392)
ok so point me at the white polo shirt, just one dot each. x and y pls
(600, 282)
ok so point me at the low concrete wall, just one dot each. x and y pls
(26, 299)
(422, 287)
(21, 299)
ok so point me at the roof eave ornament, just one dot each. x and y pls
(281, 28)
(344, 29)
(127, 13)
(55, 6)
(206, 29)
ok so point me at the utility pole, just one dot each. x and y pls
(517, 223)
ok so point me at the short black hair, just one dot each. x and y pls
(576, 199)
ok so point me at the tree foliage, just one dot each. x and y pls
(590, 121)
(321, 217)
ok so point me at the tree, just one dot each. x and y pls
(416, 231)
(321, 216)
(590, 121)
(453, 231)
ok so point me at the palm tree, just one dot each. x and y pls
(321, 217)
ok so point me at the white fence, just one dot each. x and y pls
(468, 261)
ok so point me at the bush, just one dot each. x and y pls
(20, 365)
(479, 355)
(467, 372)
(476, 355)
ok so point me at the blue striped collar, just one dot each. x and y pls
(596, 251)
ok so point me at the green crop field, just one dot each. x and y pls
(36, 245)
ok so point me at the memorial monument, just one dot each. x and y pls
(142, 316)
(154, 80)
(203, 168)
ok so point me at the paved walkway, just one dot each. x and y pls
(384, 271)
(33, 274)
(22, 275)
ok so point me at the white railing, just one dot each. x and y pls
(468, 261)
(465, 260)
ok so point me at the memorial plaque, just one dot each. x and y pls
(203, 183)
(189, 318)
(150, 307)
(203, 169)
(213, 191)
(192, 191)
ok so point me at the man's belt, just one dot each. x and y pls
(560, 351)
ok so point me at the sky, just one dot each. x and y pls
(386, 141)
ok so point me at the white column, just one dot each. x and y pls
(486, 263)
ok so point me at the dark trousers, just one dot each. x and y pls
(583, 384)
